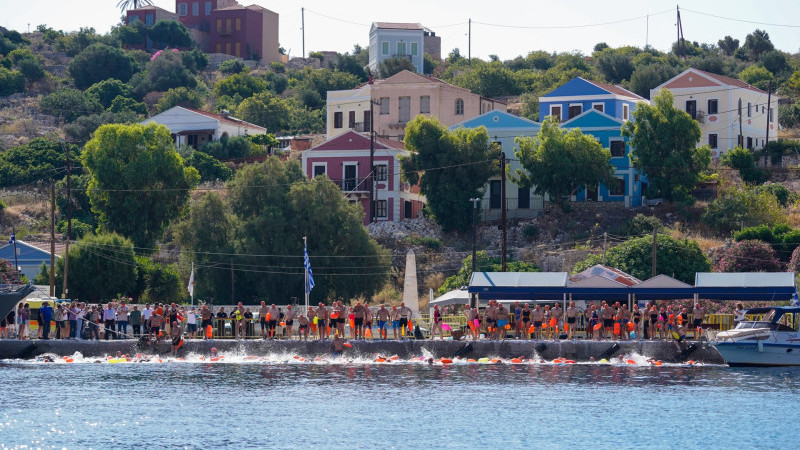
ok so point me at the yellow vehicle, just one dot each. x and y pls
(35, 304)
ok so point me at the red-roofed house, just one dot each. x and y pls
(345, 160)
(713, 100)
(400, 98)
(194, 127)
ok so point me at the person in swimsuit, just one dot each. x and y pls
(473, 322)
(517, 320)
(538, 317)
(653, 327)
(558, 314)
(698, 314)
(502, 319)
(491, 319)
(367, 321)
(383, 318)
(405, 315)
(175, 335)
(395, 321)
(302, 329)
(322, 317)
(607, 314)
(288, 319)
(262, 319)
(526, 321)
(637, 319)
(593, 322)
(572, 315)
(436, 326)
(337, 345)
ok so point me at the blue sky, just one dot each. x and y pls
(337, 25)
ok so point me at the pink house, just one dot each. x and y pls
(345, 160)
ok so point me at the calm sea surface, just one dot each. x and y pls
(267, 404)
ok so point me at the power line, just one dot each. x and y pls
(558, 27)
(741, 20)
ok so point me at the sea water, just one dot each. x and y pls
(286, 402)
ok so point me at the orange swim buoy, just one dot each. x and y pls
(268, 317)
(215, 359)
(568, 361)
(380, 360)
(557, 361)
(516, 361)
(658, 363)
(348, 345)
(630, 361)
(616, 328)
(283, 324)
(447, 361)
(69, 360)
(531, 329)
(508, 326)
(471, 360)
(553, 322)
(394, 358)
(495, 361)
(597, 326)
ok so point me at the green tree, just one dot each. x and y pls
(233, 66)
(39, 160)
(80, 131)
(616, 64)
(195, 60)
(107, 90)
(664, 141)
(164, 72)
(649, 76)
(157, 282)
(138, 182)
(99, 62)
(31, 69)
(81, 206)
(69, 104)
(170, 33)
(742, 159)
(489, 80)
(350, 64)
(228, 148)
(455, 166)
(757, 76)
(126, 106)
(43, 277)
(735, 208)
(179, 96)
(11, 82)
(266, 110)
(483, 263)
(756, 43)
(397, 64)
(728, 45)
(100, 268)
(747, 256)
(680, 259)
(557, 162)
(208, 167)
(243, 84)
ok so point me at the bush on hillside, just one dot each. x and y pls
(747, 256)
(69, 104)
(742, 159)
(99, 62)
(11, 82)
(735, 208)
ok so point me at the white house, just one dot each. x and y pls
(723, 106)
(388, 40)
(194, 127)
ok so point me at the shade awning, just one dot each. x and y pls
(519, 285)
(762, 286)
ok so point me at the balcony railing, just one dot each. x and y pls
(408, 57)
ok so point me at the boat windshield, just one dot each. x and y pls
(769, 316)
(748, 325)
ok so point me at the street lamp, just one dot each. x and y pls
(474, 225)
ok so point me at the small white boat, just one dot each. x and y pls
(772, 340)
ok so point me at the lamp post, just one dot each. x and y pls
(474, 225)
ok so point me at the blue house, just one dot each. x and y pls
(29, 257)
(579, 95)
(504, 128)
(608, 131)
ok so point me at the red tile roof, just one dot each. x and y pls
(729, 81)
(227, 119)
(614, 89)
(357, 141)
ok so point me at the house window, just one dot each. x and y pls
(524, 198)
(367, 122)
(712, 106)
(459, 107)
(319, 169)
(625, 111)
(238, 49)
(617, 148)
(494, 194)
(238, 24)
(227, 48)
(195, 9)
(148, 20)
(401, 48)
(350, 180)
(381, 172)
(228, 25)
(555, 111)
(404, 104)
(380, 209)
(691, 108)
(599, 106)
(425, 104)
(712, 140)
(337, 119)
(618, 187)
(219, 47)
(575, 110)
(208, 9)
(219, 28)
(771, 115)
(749, 111)
(384, 48)
(414, 49)
(181, 9)
(351, 119)
(750, 143)
(384, 105)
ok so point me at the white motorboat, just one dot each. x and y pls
(772, 340)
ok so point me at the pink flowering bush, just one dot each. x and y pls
(747, 256)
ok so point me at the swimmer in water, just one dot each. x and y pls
(337, 345)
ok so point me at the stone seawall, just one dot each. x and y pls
(577, 350)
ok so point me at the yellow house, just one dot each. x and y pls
(398, 99)
(730, 112)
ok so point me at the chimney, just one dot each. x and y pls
(370, 79)
(224, 113)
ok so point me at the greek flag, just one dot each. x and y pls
(12, 239)
(307, 266)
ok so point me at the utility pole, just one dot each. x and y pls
(303, 27)
(740, 139)
(52, 240)
(233, 286)
(680, 43)
(16, 263)
(65, 290)
(474, 231)
(503, 204)
(647, 33)
(605, 238)
(469, 43)
(371, 159)
(766, 143)
(655, 249)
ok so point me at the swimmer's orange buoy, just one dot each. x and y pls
(657, 363)
(380, 360)
(508, 326)
(209, 332)
(495, 361)
(352, 323)
(531, 329)
(566, 326)
(630, 326)
(557, 361)
(69, 360)
(691, 362)
(630, 361)
(553, 322)
(368, 333)
(568, 361)
(597, 326)
(348, 345)
(516, 361)
(471, 360)
(296, 357)
(447, 361)
(410, 326)
(268, 317)
(394, 358)
(215, 359)
(334, 315)
(302, 360)
(283, 324)
(616, 328)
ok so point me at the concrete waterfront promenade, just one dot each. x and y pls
(578, 350)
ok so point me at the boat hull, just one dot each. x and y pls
(10, 299)
(753, 354)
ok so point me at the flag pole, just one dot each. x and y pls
(190, 287)
(305, 272)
